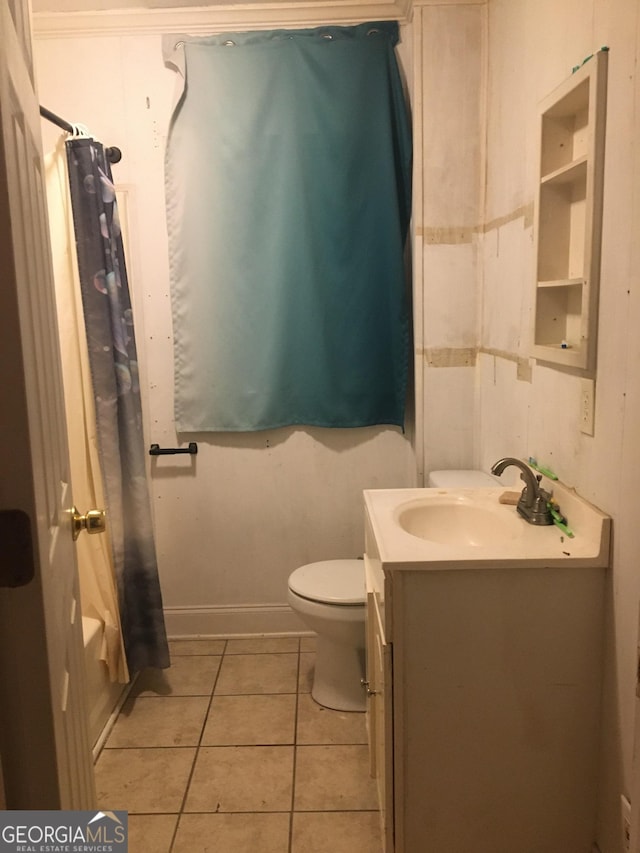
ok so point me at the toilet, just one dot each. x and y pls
(463, 479)
(329, 597)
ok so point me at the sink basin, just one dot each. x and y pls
(470, 528)
(458, 522)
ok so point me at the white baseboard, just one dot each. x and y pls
(238, 620)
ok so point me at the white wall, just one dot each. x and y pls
(448, 111)
(233, 522)
(532, 47)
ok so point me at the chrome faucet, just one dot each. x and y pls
(532, 505)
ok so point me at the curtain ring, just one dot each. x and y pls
(228, 43)
(80, 131)
(373, 31)
(178, 44)
(327, 36)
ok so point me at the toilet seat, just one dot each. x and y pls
(336, 582)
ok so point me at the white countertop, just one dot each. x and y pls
(523, 545)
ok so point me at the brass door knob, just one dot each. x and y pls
(93, 522)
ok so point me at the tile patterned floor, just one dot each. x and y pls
(227, 752)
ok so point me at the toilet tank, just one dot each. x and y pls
(464, 479)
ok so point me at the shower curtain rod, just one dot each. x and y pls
(114, 155)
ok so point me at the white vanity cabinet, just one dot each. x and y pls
(484, 703)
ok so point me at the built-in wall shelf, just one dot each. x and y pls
(561, 282)
(566, 174)
(569, 217)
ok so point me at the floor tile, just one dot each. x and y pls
(333, 778)
(192, 675)
(148, 781)
(151, 833)
(305, 676)
(196, 647)
(262, 645)
(322, 725)
(232, 833)
(237, 720)
(336, 832)
(159, 721)
(241, 779)
(257, 674)
(240, 795)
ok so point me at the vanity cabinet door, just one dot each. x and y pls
(370, 679)
(380, 717)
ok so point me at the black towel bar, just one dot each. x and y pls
(156, 450)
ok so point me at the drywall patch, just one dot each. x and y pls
(453, 236)
(458, 234)
(450, 356)
(500, 353)
(525, 212)
(524, 369)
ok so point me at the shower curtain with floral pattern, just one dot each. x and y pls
(113, 361)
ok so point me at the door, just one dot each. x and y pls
(631, 819)
(44, 743)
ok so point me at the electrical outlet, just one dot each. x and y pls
(587, 405)
(625, 810)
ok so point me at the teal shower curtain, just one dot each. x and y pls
(288, 178)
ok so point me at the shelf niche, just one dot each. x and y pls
(568, 218)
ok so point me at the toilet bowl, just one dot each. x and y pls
(329, 597)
